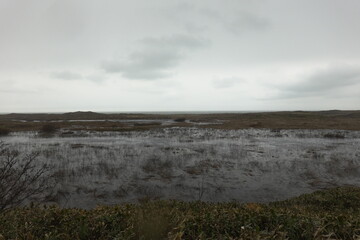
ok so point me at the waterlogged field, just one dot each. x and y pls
(217, 165)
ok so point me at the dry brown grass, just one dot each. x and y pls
(345, 120)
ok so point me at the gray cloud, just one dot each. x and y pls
(157, 57)
(72, 76)
(234, 20)
(19, 91)
(323, 81)
(245, 21)
(66, 75)
(95, 78)
(145, 65)
(180, 41)
(227, 82)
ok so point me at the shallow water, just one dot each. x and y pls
(91, 168)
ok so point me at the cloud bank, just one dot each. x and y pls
(156, 58)
(323, 81)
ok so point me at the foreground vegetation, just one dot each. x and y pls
(328, 214)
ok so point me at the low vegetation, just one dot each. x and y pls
(48, 129)
(180, 119)
(329, 214)
(4, 131)
(344, 120)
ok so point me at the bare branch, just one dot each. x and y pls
(20, 177)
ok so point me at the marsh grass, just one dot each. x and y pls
(327, 214)
(346, 120)
(4, 131)
(161, 167)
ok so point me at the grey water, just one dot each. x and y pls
(250, 165)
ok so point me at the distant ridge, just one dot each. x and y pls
(84, 115)
(254, 116)
(330, 119)
(79, 115)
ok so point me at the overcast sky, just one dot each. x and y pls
(179, 55)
